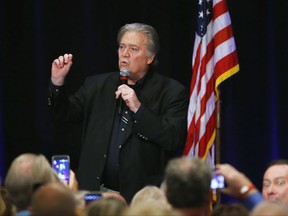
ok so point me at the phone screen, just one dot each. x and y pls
(217, 182)
(61, 164)
(89, 197)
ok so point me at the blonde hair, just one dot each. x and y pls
(150, 209)
(26, 171)
(151, 194)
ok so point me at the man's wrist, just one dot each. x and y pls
(247, 190)
(59, 82)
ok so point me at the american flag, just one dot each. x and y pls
(214, 60)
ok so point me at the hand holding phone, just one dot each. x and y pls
(61, 164)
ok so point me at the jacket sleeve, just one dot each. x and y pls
(163, 118)
(63, 107)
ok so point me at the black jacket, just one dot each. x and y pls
(152, 141)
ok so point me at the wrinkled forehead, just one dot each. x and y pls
(134, 38)
(279, 170)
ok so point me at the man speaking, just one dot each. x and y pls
(127, 144)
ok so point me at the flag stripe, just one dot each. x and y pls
(214, 60)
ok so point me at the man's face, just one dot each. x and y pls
(133, 54)
(275, 184)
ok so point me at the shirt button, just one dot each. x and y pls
(135, 121)
(120, 146)
(126, 112)
(98, 177)
(105, 156)
(123, 129)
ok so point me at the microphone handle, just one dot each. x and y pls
(123, 80)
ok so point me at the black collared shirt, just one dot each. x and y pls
(122, 123)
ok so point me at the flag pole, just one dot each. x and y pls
(217, 139)
(218, 129)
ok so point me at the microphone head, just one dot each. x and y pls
(124, 72)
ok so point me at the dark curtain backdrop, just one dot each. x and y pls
(34, 32)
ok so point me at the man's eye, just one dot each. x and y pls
(134, 49)
(121, 47)
(281, 182)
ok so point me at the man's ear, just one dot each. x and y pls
(150, 59)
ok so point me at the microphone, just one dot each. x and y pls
(124, 74)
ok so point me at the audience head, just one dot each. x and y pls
(268, 208)
(6, 206)
(115, 195)
(150, 209)
(2, 205)
(275, 182)
(187, 183)
(24, 173)
(235, 209)
(150, 194)
(111, 206)
(55, 199)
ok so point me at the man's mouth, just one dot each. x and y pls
(124, 62)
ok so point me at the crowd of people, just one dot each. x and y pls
(134, 127)
(32, 187)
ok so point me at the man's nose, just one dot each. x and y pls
(125, 52)
(270, 189)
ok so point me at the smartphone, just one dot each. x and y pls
(89, 197)
(217, 182)
(61, 164)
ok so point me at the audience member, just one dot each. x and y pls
(239, 185)
(116, 195)
(2, 205)
(150, 209)
(268, 208)
(54, 199)
(187, 185)
(105, 206)
(275, 182)
(24, 174)
(235, 209)
(150, 194)
(6, 206)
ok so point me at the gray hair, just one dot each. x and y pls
(187, 182)
(26, 171)
(153, 38)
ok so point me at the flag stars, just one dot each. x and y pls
(201, 30)
(201, 14)
(205, 15)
